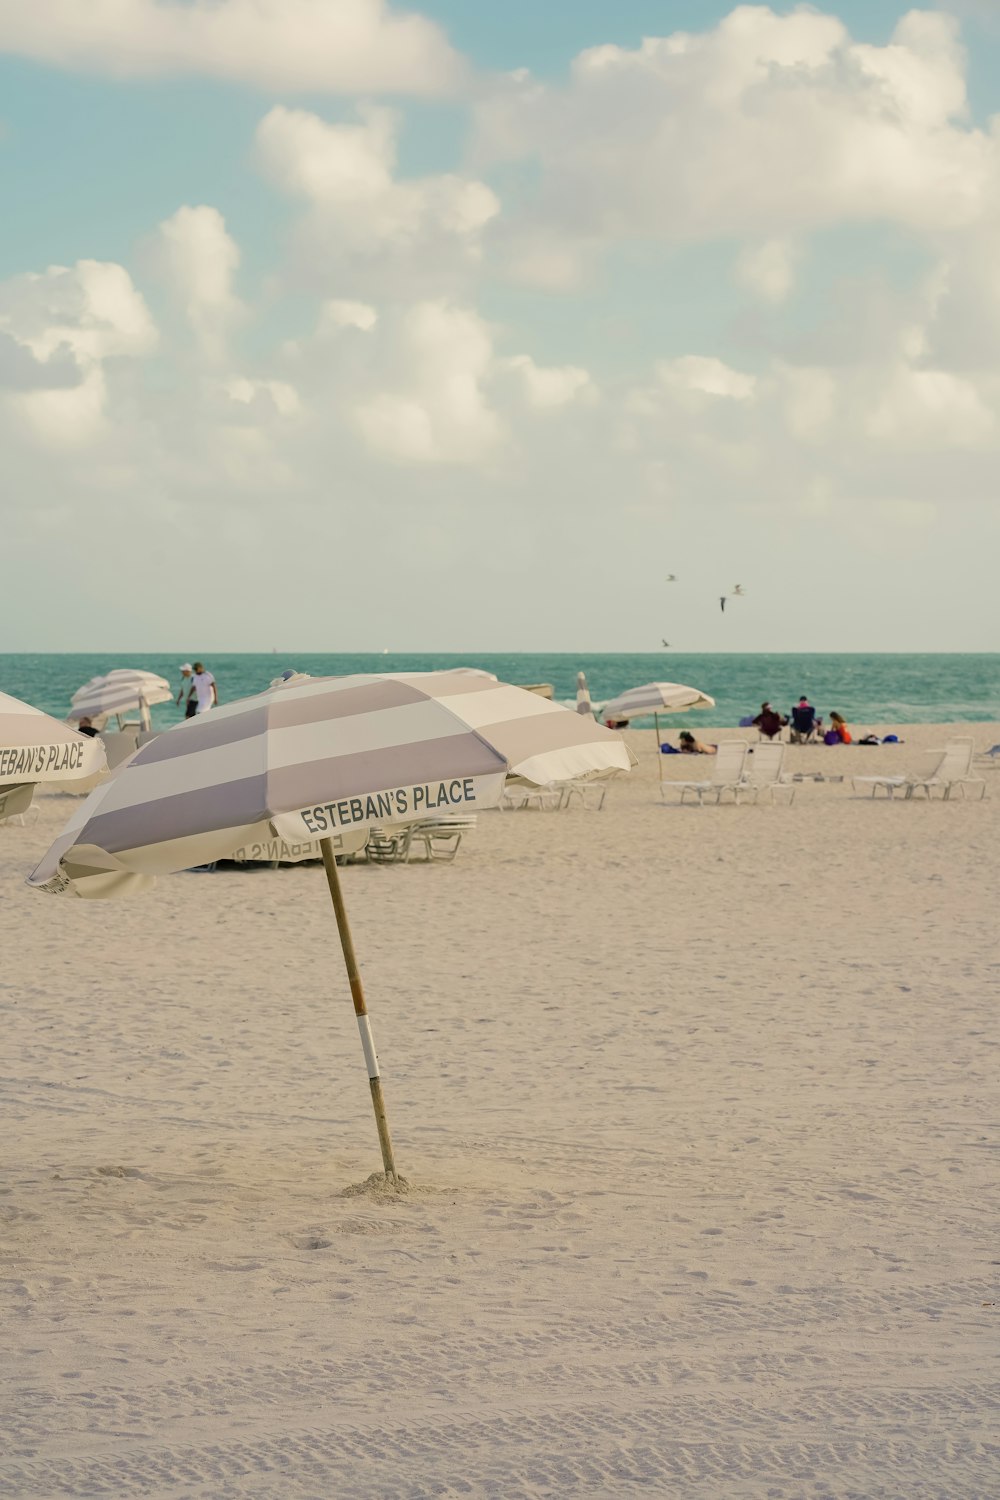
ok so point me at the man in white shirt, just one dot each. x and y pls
(203, 689)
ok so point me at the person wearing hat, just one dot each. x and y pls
(770, 722)
(185, 692)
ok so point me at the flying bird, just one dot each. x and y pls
(738, 591)
(722, 603)
(671, 578)
(664, 643)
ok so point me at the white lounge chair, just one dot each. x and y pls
(727, 773)
(762, 772)
(953, 769)
(591, 794)
(440, 837)
(15, 802)
(520, 794)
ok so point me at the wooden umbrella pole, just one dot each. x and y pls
(659, 752)
(360, 1008)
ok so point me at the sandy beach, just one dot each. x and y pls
(699, 1109)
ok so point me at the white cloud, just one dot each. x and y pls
(763, 126)
(546, 388)
(767, 270)
(264, 397)
(810, 400)
(91, 308)
(357, 206)
(325, 46)
(72, 317)
(706, 376)
(20, 370)
(437, 410)
(930, 409)
(198, 259)
(340, 313)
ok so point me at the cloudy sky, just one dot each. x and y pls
(330, 325)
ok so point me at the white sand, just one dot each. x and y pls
(700, 1108)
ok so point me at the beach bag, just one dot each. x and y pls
(666, 749)
(831, 737)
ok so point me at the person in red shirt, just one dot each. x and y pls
(839, 727)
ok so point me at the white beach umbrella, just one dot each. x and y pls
(120, 692)
(583, 703)
(655, 698)
(36, 748)
(319, 758)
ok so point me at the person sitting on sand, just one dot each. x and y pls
(769, 721)
(838, 732)
(803, 722)
(691, 746)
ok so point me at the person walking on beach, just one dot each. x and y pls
(204, 692)
(184, 696)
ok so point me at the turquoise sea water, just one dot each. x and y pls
(873, 689)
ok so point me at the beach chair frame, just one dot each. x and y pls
(763, 773)
(727, 774)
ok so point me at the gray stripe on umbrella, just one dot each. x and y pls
(524, 739)
(458, 755)
(255, 799)
(208, 732)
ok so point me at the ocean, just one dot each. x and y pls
(876, 689)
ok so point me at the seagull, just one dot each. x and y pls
(664, 643)
(738, 591)
(671, 578)
(722, 603)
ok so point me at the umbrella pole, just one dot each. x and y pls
(360, 1008)
(659, 752)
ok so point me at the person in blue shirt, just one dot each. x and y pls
(803, 721)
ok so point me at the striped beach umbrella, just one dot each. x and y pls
(36, 748)
(122, 691)
(321, 758)
(655, 698)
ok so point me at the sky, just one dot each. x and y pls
(333, 325)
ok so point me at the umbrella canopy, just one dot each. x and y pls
(656, 698)
(36, 748)
(321, 758)
(314, 756)
(120, 692)
(583, 703)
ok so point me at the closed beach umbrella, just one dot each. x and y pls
(36, 748)
(120, 692)
(583, 703)
(655, 698)
(320, 758)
